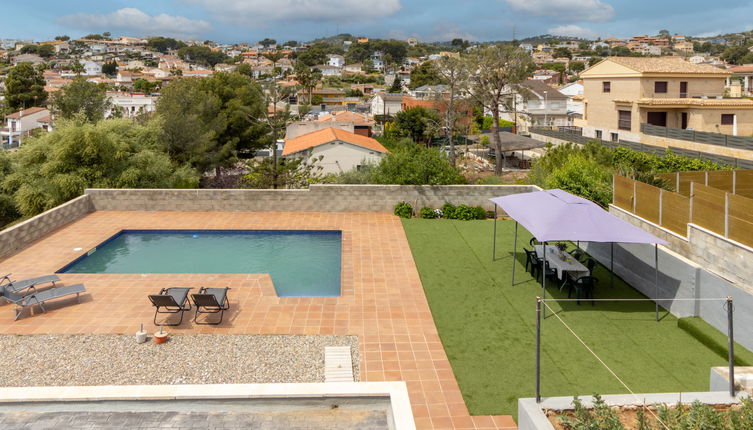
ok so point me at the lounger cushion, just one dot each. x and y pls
(54, 293)
(26, 283)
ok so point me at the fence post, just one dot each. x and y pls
(734, 182)
(661, 198)
(690, 220)
(706, 178)
(677, 187)
(726, 214)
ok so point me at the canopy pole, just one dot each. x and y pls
(514, 250)
(611, 268)
(494, 241)
(730, 348)
(538, 350)
(543, 279)
(656, 278)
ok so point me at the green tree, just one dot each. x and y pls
(143, 86)
(368, 67)
(110, 68)
(291, 173)
(454, 73)
(202, 55)
(397, 85)
(307, 78)
(81, 97)
(495, 72)
(24, 88)
(562, 52)
(164, 44)
(411, 164)
(205, 121)
(77, 67)
(424, 74)
(63, 38)
(93, 37)
(291, 43)
(8, 211)
(316, 54)
(577, 66)
(418, 123)
(267, 42)
(115, 153)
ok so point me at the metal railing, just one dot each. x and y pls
(577, 137)
(738, 142)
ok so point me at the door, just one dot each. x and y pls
(684, 120)
(683, 90)
(657, 118)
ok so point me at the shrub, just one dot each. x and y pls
(404, 210)
(448, 211)
(480, 212)
(465, 213)
(428, 213)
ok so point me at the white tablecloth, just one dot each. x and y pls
(568, 264)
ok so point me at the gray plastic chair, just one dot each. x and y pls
(210, 301)
(171, 301)
(7, 284)
(34, 297)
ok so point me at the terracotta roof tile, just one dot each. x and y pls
(326, 135)
(26, 112)
(665, 65)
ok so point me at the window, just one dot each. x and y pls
(606, 86)
(728, 119)
(615, 137)
(598, 134)
(624, 120)
(660, 87)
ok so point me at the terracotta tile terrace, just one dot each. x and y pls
(382, 299)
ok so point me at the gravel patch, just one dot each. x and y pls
(53, 360)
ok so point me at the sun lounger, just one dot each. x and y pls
(7, 284)
(170, 301)
(34, 297)
(210, 301)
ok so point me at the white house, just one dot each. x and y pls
(131, 104)
(19, 124)
(354, 68)
(538, 105)
(336, 60)
(328, 70)
(574, 93)
(386, 104)
(92, 68)
(340, 150)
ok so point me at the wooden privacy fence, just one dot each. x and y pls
(738, 182)
(727, 214)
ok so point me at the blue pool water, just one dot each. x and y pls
(301, 263)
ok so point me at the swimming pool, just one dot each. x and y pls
(302, 263)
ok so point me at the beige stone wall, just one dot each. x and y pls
(600, 111)
(319, 198)
(20, 235)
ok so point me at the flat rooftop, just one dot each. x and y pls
(382, 301)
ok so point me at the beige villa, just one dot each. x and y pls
(621, 93)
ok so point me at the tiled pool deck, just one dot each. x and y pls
(382, 301)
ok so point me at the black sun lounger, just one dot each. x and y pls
(171, 301)
(210, 301)
(7, 284)
(34, 297)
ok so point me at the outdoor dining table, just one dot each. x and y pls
(562, 261)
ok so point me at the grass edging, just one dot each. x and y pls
(714, 339)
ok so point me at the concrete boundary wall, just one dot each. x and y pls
(682, 278)
(22, 234)
(318, 198)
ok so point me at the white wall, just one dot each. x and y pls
(342, 156)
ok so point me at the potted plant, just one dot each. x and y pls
(161, 335)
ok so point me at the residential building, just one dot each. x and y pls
(684, 47)
(412, 41)
(574, 93)
(328, 70)
(538, 105)
(27, 58)
(386, 104)
(353, 68)
(131, 104)
(340, 150)
(621, 93)
(19, 124)
(362, 124)
(336, 61)
(743, 74)
(428, 92)
(92, 68)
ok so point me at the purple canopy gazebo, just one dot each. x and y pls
(556, 215)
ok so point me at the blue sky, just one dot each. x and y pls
(428, 20)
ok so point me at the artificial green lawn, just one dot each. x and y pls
(488, 326)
